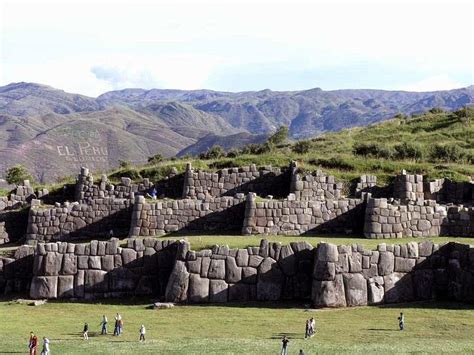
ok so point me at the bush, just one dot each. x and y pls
(372, 150)
(408, 151)
(301, 147)
(215, 152)
(155, 159)
(279, 137)
(16, 174)
(232, 154)
(436, 110)
(447, 153)
(124, 164)
(256, 149)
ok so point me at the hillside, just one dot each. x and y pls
(439, 144)
(53, 132)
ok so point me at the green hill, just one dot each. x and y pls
(437, 144)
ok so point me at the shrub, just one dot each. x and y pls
(302, 147)
(256, 149)
(232, 154)
(16, 175)
(124, 164)
(408, 151)
(436, 110)
(155, 159)
(372, 150)
(279, 137)
(447, 153)
(215, 152)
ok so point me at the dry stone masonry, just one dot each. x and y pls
(151, 217)
(102, 269)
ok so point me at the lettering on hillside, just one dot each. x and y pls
(83, 146)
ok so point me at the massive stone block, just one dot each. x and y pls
(69, 264)
(177, 288)
(329, 293)
(233, 272)
(198, 289)
(216, 269)
(386, 263)
(327, 252)
(269, 280)
(52, 263)
(218, 290)
(355, 287)
(398, 288)
(95, 281)
(375, 290)
(65, 286)
(44, 287)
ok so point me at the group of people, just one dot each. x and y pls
(310, 328)
(118, 328)
(33, 345)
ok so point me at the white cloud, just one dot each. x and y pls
(433, 83)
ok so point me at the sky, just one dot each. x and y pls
(90, 47)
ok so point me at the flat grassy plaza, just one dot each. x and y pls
(238, 329)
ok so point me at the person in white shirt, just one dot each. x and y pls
(142, 333)
(45, 350)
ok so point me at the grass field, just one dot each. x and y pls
(239, 329)
(199, 242)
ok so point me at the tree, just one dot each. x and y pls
(280, 136)
(16, 175)
(302, 147)
(155, 159)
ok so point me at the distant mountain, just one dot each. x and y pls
(53, 132)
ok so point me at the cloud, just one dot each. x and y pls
(125, 77)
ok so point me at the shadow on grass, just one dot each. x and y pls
(429, 305)
(288, 335)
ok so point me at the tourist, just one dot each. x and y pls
(142, 333)
(284, 345)
(401, 321)
(45, 346)
(85, 334)
(306, 331)
(301, 352)
(110, 234)
(33, 344)
(104, 325)
(312, 326)
(118, 324)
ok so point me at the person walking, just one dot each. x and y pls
(45, 346)
(401, 321)
(301, 352)
(119, 324)
(306, 331)
(104, 325)
(142, 333)
(33, 344)
(284, 345)
(85, 333)
(312, 326)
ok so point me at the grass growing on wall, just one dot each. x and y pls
(199, 242)
(254, 328)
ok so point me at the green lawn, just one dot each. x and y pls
(199, 242)
(251, 329)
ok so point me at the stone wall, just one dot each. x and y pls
(151, 217)
(408, 187)
(447, 191)
(271, 272)
(315, 187)
(102, 269)
(295, 217)
(13, 225)
(86, 190)
(227, 182)
(16, 271)
(425, 218)
(78, 220)
(351, 276)
(20, 196)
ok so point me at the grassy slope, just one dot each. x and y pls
(333, 151)
(252, 328)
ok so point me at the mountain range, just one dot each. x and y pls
(53, 132)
